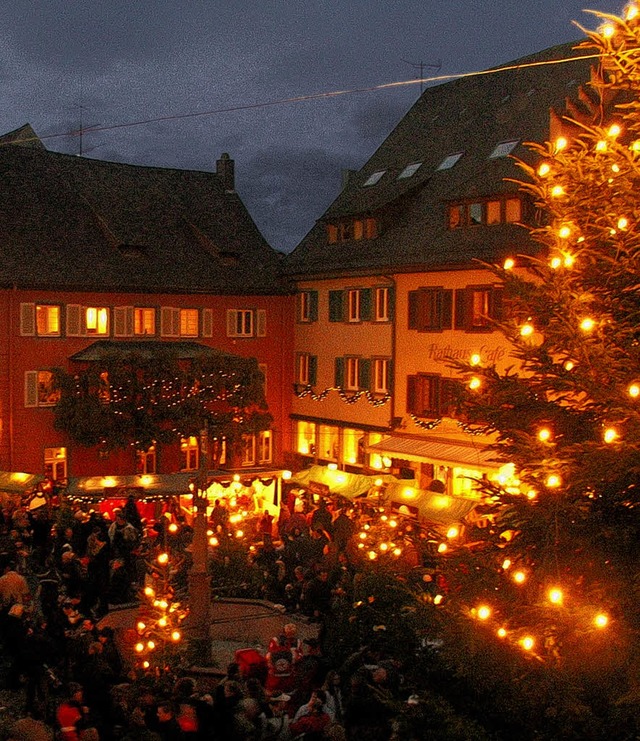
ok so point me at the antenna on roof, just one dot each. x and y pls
(421, 66)
(79, 132)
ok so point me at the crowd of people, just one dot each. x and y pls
(63, 574)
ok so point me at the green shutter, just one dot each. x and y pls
(313, 306)
(390, 376)
(414, 304)
(446, 308)
(364, 373)
(497, 307)
(460, 300)
(336, 306)
(339, 375)
(313, 370)
(392, 303)
(412, 391)
(365, 304)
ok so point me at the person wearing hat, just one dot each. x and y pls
(276, 728)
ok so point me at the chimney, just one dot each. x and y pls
(346, 177)
(225, 170)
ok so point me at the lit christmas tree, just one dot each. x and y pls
(554, 575)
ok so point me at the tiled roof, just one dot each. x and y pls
(471, 115)
(147, 348)
(73, 223)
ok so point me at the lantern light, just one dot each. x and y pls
(483, 612)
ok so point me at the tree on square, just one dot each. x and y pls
(550, 585)
(131, 397)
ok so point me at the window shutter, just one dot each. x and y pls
(31, 388)
(412, 394)
(446, 314)
(364, 373)
(313, 306)
(390, 376)
(74, 320)
(414, 307)
(169, 321)
(232, 318)
(27, 319)
(123, 321)
(313, 370)
(391, 303)
(207, 322)
(448, 398)
(460, 314)
(261, 323)
(339, 374)
(336, 306)
(497, 306)
(365, 304)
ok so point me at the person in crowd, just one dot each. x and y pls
(168, 726)
(311, 718)
(72, 713)
(282, 653)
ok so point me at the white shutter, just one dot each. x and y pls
(31, 388)
(123, 321)
(207, 323)
(169, 321)
(261, 323)
(232, 323)
(27, 319)
(74, 320)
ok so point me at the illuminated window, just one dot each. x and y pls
(382, 304)
(494, 212)
(377, 461)
(240, 323)
(39, 389)
(96, 320)
(328, 443)
(381, 375)
(47, 320)
(306, 437)
(308, 306)
(362, 227)
(146, 460)
(189, 453)
(55, 464)
(353, 447)
(478, 307)
(513, 210)
(144, 321)
(489, 212)
(353, 305)
(188, 322)
(265, 446)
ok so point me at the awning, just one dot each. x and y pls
(148, 349)
(440, 509)
(349, 485)
(436, 450)
(15, 482)
(145, 485)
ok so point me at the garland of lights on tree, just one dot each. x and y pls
(555, 572)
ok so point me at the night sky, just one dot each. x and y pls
(102, 63)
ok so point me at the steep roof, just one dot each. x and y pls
(68, 222)
(470, 115)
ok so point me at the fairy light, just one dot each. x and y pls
(608, 30)
(163, 558)
(614, 130)
(506, 563)
(601, 620)
(631, 12)
(442, 548)
(527, 642)
(475, 383)
(519, 577)
(475, 359)
(544, 434)
(437, 600)
(564, 232)
(569, 261)
(561, 143)
(557, 191)
(555, 596)
(555, 262)
(509, 263)
(623, 223)
(569, 365)
(483, 612)
(601, 146)
(634, 390)
(526, 330)
(453, 532)
(544, 169)
(610, 435)
(587, 324)
(553, 481)
(501, 633)
(176, 635)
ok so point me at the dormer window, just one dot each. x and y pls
(449, 161)
(354, 229)
(373, 179)
(505, 210)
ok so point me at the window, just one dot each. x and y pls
(39, 389)
(306, 437)
(449, 161)
(489, 212)
(146, 460)
(306, 369)
(265, 446)
(430, 309)
(353, 305)
(478, 307)
(430, 395)
(353, 229)
(248, 450)
(144, 321)
(381, 368)
(382, 303)
(55, 464)
(240, 323)
(96, 320)
(409, 170)
(352, 373)
(353, 447)
(328, 442)
(188, 322)
(189, 453)
(375, 178)
(308, 306)
(504, 148)
(47, 321)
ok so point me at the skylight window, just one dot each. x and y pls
(504, 148)
(410, 170)
(449, 161)
(373, 179)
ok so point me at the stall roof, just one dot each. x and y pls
(417, 449)
(440, 509)
(152, 484)
(349, 485)
(15, 482)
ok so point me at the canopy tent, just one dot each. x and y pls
(429, 506)
(348, 485)
(144, 485)
(14, 482)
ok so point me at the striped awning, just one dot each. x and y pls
(436, 451)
